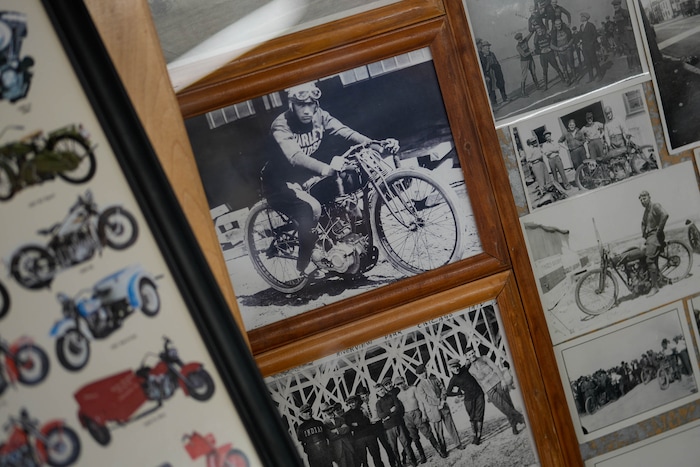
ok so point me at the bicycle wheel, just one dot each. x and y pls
(590, 176)
(415, 220)
(595, 296)
(273, 247)
(675, 261)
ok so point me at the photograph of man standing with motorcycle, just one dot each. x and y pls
(335, 187)
(623, 250)
(600, 143)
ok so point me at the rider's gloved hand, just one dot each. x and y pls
(338, 163)
(391, 145)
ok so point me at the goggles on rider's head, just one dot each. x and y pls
(304, 93)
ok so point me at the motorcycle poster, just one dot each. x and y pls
(103, 347)
(591, 145)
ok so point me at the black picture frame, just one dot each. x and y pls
(169, 227)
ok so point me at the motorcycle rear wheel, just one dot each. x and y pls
(150, 299)
(588, 297)
(73, 350)
(117, 228)
(32, 364)
(272, 241)
(675, 261)
(62, 446)
(7, 183)
(200, 385)
(417, 222)
(99, 433)
(236, 458)
(33, 267)
(4, 300)
(87, 166)
(589, 178)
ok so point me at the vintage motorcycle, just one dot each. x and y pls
(669, 371)
(221, 456)
(693, 236)
(412, 217)
(84, 231)
(97, 312)
(25, 362)
(15, 73)
(27, 444)
(617, 164)
(597, 289)
(98, 406)
(66, 152)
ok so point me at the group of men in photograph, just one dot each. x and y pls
(570, 51)
(402, 415)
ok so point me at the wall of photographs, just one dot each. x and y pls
(596, 132)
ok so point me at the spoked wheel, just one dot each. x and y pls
(273, 247)
(118, 228)
(150, 300)
(200, 385)
(416, 221)
(664, 379)
(73, 350)
(33, 267)
(236, 458)
(675, 261)
(72, 147)
(7, 183)
(590, 175)
(32, 364)
(62, 446)
(694, 238)
(591, 405)
(596, 293)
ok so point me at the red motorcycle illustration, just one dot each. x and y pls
(222, 456)
(24, 362)
(117, 398)
(54, 443)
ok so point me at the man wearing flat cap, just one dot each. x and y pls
(550, 149)
(593, 133)
(313, 437)
(464, 385)
(390, 411)
(492, 70)
(339, 435)
(589, 46)
(653, 223)
(624, 34)
(527, 61)
(415, 419)
(364, 433)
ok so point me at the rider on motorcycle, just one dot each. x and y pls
(653, 223)
(300, 153)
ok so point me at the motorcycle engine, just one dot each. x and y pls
(159, 387)
(99, 322)
(76, 248)
(339, 246)
(343, 256)
(19, 456)
(620, 168)
(638, 277)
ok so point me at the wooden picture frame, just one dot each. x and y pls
(437, 35)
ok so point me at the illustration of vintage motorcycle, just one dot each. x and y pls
(15, 72)
(618, 164)
(27, 444)
(4, 300)
(98, 405)
(84, 231)
(597, 289)
(97, 312)
(412, 216)
(221, 456)
(66, 152)
(25, 362)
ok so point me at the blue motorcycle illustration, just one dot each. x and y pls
(97, 312)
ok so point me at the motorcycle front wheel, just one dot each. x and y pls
(591, 405)
(664, 379)
(593, 299)
(591, 176)
(7, 183)
(272, 240)
(99, 433)
(73, 350)
(416, 221)
(675, 261)
(32, 364)
(150, 300)
(33, 267)
(200, 385)
(117, 228)
(73, 145)
(236, 458)
(62, 446)
(4, 300)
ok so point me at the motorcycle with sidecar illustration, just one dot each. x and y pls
(120, 398)
(25, 362)
(225, 455)
(97, 312)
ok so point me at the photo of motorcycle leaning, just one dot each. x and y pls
(346, 185)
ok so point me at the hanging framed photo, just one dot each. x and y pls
(415, 187)
(106, 290)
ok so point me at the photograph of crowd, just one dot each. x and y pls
(536, 53)
(440, 392)
(291, 178)
(672, 35)
(580, 148)
(615, 252)
(629, 372)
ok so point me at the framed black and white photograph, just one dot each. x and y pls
(383, 130)
(694, 309)
(576, 149)
(679, 444)
(629, 372)
(455, 396)
(537, 53)
(597, 259)
(671, 40)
